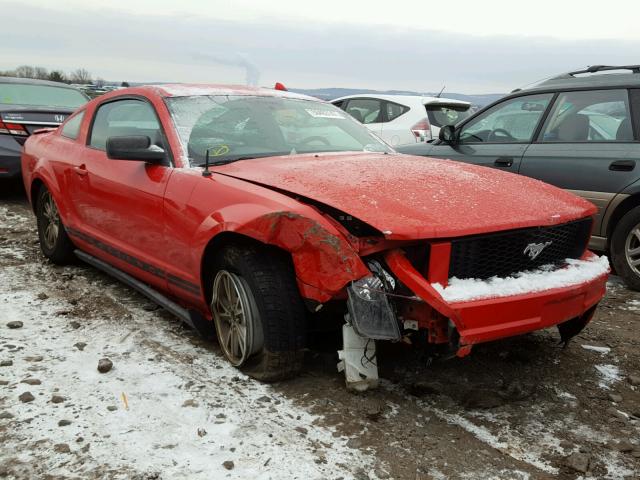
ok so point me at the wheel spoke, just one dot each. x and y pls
(634, 251)
(635, 263)
(636, 233)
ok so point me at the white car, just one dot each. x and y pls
(404, 119)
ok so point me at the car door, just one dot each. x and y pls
(396, 125)
(499, 136)
(587, 145)
(367, 111)
(120, 202)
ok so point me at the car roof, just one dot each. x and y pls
(33, 81)
(194, 89)
(423, 99)
(591, 77)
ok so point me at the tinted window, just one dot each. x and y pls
(593, 116)
(123, 118)
(71, 128)
(394, 110)
(25, 94)
(441, 115)
(512, 121)
(252, 126)
(365, 110)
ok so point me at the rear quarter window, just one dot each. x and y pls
(71, 129)
(441, 115)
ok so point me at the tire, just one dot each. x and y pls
(54, 241)
(625, 248)
(262, 282)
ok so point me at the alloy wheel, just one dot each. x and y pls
(235, 317)
(51, 218)
(632, 249)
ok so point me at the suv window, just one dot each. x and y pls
(122, 118)
(592, 116)
(71, 129)
(512, 121)
(365, 110)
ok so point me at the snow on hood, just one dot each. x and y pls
(406, 196)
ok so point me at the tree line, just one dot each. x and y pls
(79, 76)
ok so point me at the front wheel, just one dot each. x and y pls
(258, 312)
(625, 248)
(54, 241)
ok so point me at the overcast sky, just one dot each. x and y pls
(470, 46)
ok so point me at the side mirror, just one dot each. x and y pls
(448, 134)
(135, 148)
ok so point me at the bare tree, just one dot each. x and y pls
(40, 73)
(124, 84)
(25, 71)
(99, 82)
(80, 76)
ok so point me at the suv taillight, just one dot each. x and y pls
(13, 129)
(422, 130)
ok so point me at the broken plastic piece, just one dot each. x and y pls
(358, 360)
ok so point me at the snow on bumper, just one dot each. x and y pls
(575, 273)
(536, 300)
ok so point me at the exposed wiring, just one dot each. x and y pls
(367, 358)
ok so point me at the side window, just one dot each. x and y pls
(341, 104)
(512, 121)
(394, 110)
(593, 116)
(365, 110)
(71, 129)
(635, 111)
(122, 118)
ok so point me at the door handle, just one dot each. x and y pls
(503, 162)
(81, 170)
(622, 165)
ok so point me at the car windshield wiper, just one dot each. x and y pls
(225, 161)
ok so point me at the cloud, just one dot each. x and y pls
(138, 47)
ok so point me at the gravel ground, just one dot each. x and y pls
(170, 407)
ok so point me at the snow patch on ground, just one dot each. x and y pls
(593, 348)
(228, 418)
(575, 273)
(632, 305)
(609, 375)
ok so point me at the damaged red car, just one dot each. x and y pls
(252, 209)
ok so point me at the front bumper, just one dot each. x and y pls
(489, 319)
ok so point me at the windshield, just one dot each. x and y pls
(40, 95)
(239, 127)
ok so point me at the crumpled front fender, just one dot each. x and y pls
(324, 261)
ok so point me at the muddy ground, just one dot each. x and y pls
(524, 408)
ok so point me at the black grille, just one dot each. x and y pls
(502, 254)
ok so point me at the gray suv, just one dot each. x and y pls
(579, 131)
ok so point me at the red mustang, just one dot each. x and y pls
(253, 208)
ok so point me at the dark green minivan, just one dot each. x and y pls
(579, 131)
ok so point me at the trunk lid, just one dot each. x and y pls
(20, 122)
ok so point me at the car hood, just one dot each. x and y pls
(408, 197)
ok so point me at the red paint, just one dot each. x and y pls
(155, 222)
(439, 263)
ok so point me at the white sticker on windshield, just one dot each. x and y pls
(324, 113)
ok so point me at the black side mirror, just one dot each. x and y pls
(448, 134)
(135, 148)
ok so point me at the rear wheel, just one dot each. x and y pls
(54, 241)
(625, 248)
(258, 312)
